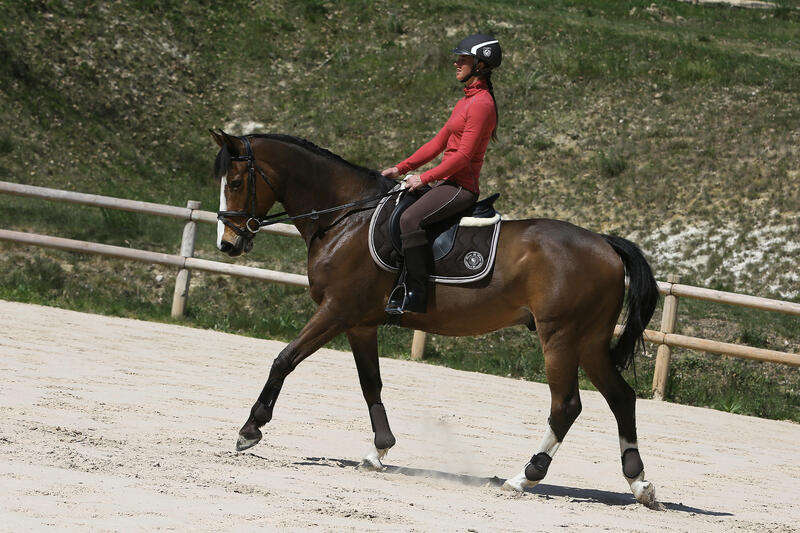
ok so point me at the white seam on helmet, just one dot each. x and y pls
(474, 49)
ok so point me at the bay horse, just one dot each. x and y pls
(565, 282)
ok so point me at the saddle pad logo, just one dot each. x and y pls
(473, 260)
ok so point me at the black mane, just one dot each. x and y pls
(311, 147)
(222, 164)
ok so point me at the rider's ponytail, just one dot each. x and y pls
(488, 78)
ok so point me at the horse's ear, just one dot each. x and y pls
(223, 139)
(217, 138)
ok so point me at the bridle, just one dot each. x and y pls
(255, 223)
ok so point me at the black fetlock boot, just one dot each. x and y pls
(410, 293)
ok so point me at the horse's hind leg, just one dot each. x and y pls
(364, 342)
(561, 366)
(621, 399)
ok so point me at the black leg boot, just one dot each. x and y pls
(416, 261)
(410, 293)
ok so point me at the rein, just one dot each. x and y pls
(255, 223)
(314, 215)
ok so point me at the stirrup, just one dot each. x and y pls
(396, 303)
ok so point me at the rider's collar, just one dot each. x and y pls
(473, 89)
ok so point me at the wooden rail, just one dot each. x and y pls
(132, 254)
(665, 338)
(723, 348)
(731, 298)
(147, 208)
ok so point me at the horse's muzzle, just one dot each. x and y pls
(241, 245)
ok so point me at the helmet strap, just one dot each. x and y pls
(473, 72)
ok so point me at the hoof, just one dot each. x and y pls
(518, 483)
(645, 493)
(372, 461)
(244, 442)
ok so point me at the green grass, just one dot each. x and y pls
(614, 116)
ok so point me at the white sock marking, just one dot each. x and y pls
(518, 483)
(625, 445)
(643, 490)
(373, 458)
(549, 444)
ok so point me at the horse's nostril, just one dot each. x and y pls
(225, 246)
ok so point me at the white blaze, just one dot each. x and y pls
(223, 206)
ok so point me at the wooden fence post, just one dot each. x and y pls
(418, 345)
(669, 317)
(184, 275)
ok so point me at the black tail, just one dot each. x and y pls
(642, 300)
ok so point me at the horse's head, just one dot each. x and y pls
(246, 193)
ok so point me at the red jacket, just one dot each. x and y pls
(463, 139)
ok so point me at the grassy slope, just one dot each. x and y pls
(679, 121)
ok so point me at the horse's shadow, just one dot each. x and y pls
(543, 490)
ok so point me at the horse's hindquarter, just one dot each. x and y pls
(573, 272)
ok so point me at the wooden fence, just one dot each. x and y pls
(665, 338)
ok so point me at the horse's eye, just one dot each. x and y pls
(236, 185)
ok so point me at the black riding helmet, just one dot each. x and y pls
(483, 48)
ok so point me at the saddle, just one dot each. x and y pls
(463, 246)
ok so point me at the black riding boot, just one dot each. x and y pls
(411, 293)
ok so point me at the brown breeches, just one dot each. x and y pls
(437, 204)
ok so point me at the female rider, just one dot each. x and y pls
(463, 139)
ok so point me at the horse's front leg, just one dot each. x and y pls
(364, 342)
(323, 326)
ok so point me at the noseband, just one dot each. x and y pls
(253, 223)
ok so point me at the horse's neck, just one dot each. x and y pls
(311, 186)
(306, 190)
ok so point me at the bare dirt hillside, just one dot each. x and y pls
(120, 425)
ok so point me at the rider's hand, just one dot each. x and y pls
(413, 182)
(391, 173)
